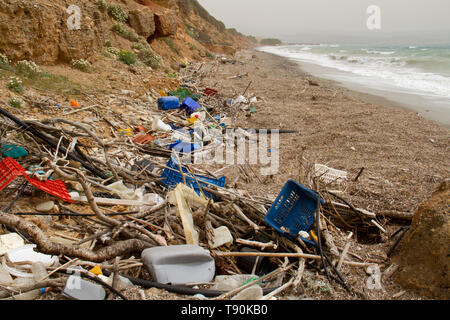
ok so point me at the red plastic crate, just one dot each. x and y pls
(211, 92)
(10, 170)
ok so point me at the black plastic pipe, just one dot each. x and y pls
(51, 143)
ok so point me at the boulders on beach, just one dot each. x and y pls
(423, 253)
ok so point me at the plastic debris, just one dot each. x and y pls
(10, 241)
(179, 264)
(13, 151)
(10, 170)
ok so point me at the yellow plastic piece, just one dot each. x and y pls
(126, 132)
(192, 120)
(96, 270)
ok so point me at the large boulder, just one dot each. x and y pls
(166, 16)
(142, 21)
(423, 253)
(166, 23)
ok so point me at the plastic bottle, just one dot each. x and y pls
(201, 115)
(5, 277)
(158, 124)
(39, 272)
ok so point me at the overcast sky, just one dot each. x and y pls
(334, 20)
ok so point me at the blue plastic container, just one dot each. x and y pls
(190, 105)
(168, 103)
(293, 210)
(171, 178)
(184, 147)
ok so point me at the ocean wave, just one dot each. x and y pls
(400, 72)
(381, 52)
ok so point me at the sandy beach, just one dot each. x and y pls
(404, 155)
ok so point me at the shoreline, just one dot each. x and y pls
(404, 155)
(387, 98)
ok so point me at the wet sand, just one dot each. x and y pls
(437, 110)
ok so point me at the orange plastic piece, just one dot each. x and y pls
(143, 139)
(96, 270)
(75, 104)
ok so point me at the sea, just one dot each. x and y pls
(412, 70)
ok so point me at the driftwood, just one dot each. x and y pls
(44, 245)
(289, 255)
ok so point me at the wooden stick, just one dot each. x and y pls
(244, 217)
(279, 290)
(344, 252)
(59, 268)
(261, 245)
(289, 255)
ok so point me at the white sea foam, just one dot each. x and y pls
(384, 67)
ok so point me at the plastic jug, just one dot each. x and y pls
(180, 264)
(80, 289)
(168, 103)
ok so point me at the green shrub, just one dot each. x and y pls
(102, 5)
(113, 51)
(16, 85)
(127, 57)
(125, 32)
(15, 102)
(150, 58)
(4, 59)
(209, 55)
(142, 44)
(4, 62)
(108, 43)
(28, 69)
(82, 65)
(146, 54)
(117, 13)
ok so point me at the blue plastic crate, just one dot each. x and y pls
(293, 210)
(190, 105)
(171, 178)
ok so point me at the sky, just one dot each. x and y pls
(409, 21)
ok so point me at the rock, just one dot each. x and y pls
(252, 293)
(142, 21)
(166, 23)
(230, 282)
(45, 206)
(422, 254)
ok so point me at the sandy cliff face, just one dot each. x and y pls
(38, 30)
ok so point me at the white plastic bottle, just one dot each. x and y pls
(39, 271)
